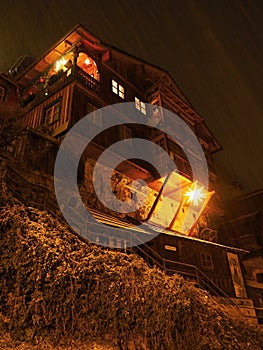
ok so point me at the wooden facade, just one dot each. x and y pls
(243, 227)
(81, 74)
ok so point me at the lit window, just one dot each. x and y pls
(140, 105)
(52, 113)
(117, 89)
(2, 94)
(206, 260)
(95, 118)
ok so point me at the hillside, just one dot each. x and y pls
(59, 292)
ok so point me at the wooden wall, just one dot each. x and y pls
(35, 117)
(189, 251)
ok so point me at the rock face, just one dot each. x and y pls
(57, 288)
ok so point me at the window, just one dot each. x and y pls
(95, 118)
(2, 94)
(260, 277)
(117, 88)
(52, 112)
(140, 105)
(206, 261)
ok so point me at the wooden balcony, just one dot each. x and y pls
(57, 82)
(86, 80)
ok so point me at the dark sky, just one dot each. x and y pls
(213, 49)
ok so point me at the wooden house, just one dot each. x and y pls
(81, 74)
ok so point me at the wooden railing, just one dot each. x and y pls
(187, 270)
(76, 74)
(87, 80)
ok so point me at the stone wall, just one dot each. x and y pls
(121, 187)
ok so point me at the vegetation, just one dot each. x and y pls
(56, 288)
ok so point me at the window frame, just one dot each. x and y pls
(117, 89)
(140, 105)
(204, 260)
(54, 116)
(259, 277)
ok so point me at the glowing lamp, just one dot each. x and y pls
(59, 64)
(195, 195)
(87, 61)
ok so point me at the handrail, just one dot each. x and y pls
(160, 258)
(86, 79)
(61, 81)
(214, 286)
(199, 275)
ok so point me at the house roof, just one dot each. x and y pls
(75, 38)
(152, 230)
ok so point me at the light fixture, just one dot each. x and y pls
(60, 63)
(87, 61)
(195, 194)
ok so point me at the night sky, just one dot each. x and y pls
(213, 50)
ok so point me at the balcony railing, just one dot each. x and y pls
(57, 82)
(87, 80)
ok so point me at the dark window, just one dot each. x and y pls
(52, 112)
(2, 93)
(260, 277)
(206, 261)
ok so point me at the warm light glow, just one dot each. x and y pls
(195, 195)
(87, 61)
(60, 63)
(88, 65)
